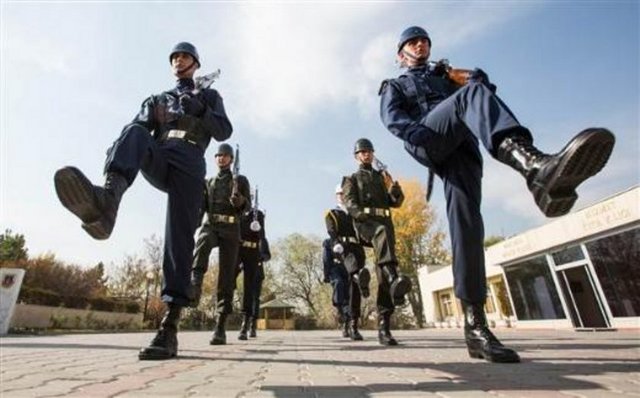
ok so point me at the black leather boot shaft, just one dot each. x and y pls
(481, 343)
(244, 328)
(165, 344)
(384, 330)
(354, 333)
(345, 328)
(253, 329)
(553, 179)
(219, 333)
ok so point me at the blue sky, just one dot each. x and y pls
(300, 85)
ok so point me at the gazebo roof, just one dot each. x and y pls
(277, 303)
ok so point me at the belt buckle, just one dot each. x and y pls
(177, 134)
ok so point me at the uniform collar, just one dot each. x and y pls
(184, 85)
(224, 172)
(367, 167)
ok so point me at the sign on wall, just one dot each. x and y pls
(10, 282)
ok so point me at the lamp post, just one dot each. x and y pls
(149, 276)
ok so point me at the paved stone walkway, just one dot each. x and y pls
(428, 363)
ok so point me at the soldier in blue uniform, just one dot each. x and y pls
(344, 267)
(369, 201)
(166, 141)
(227, 196)
(442, 126)
(249, 257)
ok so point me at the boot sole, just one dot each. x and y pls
(75, 192)
(363, 282)
(478, 353)
(155, 356)
(402, 288)
(587, 154)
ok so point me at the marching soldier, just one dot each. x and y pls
(249, 256)
(226, 198)
(265, 255)
(344, 267)
(368, 200)
(442, 125)
(166, 140)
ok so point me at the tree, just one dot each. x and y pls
(492, 240)
(154, 254)
(129, 279)
(419, 241)
(299, 262)
(12, 247)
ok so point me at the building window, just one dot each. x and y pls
(533, 292)
(568, 255)
(616, 260)
(447, 306)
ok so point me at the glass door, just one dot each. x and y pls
(579, 291)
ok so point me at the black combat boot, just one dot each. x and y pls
(354, 333)
(244, 328)
(165, 344)
(384, 330)
(253, 327)
(362, 278)
(481, 343)
(399, 285)
(345, 327)
(553, 179)
(96, 206)
(195, 290)
(219, 334)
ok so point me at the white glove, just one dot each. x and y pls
(338, 248)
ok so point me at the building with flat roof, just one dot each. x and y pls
(578, 271)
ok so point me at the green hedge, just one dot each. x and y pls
(49, 298)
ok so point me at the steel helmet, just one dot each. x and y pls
(363, 144)
(185, 47)
(412, 33)
(225, 149)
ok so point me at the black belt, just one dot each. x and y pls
(349, 239)
(183, 135)
(223, 218)
(249, 244)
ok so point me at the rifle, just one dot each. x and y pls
(235, 171)
(255, 224)
(457, 75)
(382, 168)
(205, 81)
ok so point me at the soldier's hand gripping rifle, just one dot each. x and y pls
(188, 99)
(255, 224)
(382, 168)
(457, 75)
(205, 81)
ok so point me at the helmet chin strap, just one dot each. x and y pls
(407, 54)
(185, 69)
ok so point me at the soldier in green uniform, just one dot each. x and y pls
(368, 201)
(227, 196)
